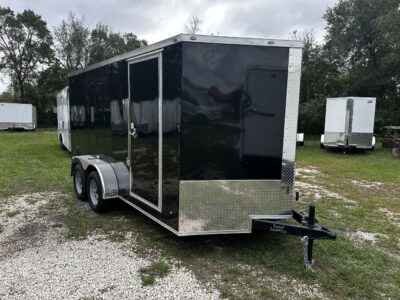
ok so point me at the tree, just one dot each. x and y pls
(104, 43)
(363, 45)
(314, 83)
(193, 26)
(72, 43)
(25, 46)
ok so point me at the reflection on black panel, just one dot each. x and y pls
(119, 117)
(262, 122)
(144, 97)
(233, 105)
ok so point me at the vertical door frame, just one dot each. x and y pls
(151, 55)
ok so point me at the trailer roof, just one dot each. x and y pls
(194, 39)
(15, 103)
(350, 97)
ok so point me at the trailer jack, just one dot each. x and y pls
(309, 230)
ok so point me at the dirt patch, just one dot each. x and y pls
(367, 184)
(362, 237)
(393, 217)
(308, 173)
(23, 227)
(281, 286)
(318, 192)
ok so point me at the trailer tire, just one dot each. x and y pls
(94, 192)
(322, 146)
(79, 182)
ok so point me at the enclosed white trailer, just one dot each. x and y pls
(17, 116)
(349, 123)
(63, 119)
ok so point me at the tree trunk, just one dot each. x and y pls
(396, 152)
(21, 89)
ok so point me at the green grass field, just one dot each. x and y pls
(260, 265)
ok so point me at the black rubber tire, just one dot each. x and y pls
(95, 197)
(372, 148)
(79, 192)
(322, 146)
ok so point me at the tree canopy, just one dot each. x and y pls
(25, 45)
(360, 57)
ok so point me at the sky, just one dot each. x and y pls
(155, 20)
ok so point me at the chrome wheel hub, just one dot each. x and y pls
(78, 183)
(94, 194)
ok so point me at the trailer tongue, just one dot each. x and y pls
(309, 229)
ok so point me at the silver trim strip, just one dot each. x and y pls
(199, 232)
(149, 215)
(160, 130)
(270, 217)
(291, 117)
(192, 39)
(102, 182)
(158, 55)
(144, 56)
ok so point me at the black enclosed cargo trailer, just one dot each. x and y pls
(196, 132)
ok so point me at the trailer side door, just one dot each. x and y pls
(145, 134)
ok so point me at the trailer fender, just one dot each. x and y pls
(114, 175)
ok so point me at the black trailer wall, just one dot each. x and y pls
(233, 110)
(99, 120)
(95, 101)
(229, 118)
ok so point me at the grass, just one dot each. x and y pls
(32, 162)
(157, 269)
(260, 265)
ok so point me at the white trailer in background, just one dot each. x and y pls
(300, 139)
(63, 119)
(349, 123)
(17, 116)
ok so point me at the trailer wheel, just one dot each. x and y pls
(95, 193)
(322, 146)
(79, 182)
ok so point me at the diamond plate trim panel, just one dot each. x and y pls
(227, 205)
(334, 138)
(106, 172)
(361, 140)
(291, 115)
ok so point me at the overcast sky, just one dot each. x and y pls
(155, 20)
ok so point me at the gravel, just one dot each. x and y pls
(37, 262)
